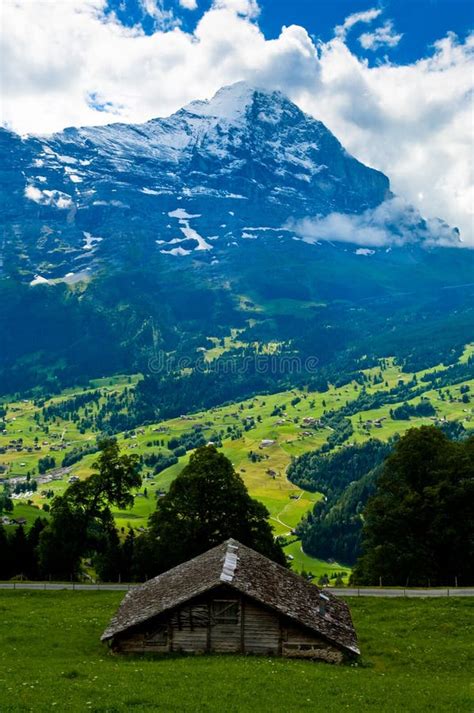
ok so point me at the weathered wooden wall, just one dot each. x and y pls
(188, 627)
(261, 630)
(139, 642)
(298, 642)
(192, 628)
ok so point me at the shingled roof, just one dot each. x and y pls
(249, 573)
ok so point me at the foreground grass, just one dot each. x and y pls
(415, 658)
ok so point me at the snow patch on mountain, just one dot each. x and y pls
(182, 214)
(150, 192)
(176, 251)
(189, 233)
(58, 199)
(90, 241)
(39, 280)
(192, 234)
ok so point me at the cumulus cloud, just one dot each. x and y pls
(71, 63)
(413, 122)
(383, 36)
(394, 222)
(188, 4)
(366, 17)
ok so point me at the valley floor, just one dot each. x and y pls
(260, 435)
(415, 657)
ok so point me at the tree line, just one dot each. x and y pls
(405, 510)
(206, 504)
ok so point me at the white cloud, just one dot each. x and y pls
(247, 8)
(164, 19)
(366, 17)
(383, 36)
(413, 122)
(394, 222)
(188, 4)
(66, 63)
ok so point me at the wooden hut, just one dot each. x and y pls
(232, 599)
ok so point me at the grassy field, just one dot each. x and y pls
(277, 418)
(416, 656)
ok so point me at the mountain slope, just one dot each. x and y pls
(122, 240)
(245, 157)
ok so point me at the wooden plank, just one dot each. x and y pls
(190, 641)
(261, 630)
(208, 640)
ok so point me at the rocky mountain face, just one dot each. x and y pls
(123, 239)
(245, 159)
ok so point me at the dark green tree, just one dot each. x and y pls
(127, 572)
(5, 555)
(6, 503)
(81, 519)
(33, 536)
(419, 524)
(108, 560)
(115, 562)
(20, 552)
(206, 504)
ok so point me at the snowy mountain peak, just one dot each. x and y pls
(229, 102)
(232, 102)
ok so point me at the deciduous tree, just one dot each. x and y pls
(419, 525)
(81, 519)
(206, 504)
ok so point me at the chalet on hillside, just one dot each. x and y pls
(233, 600)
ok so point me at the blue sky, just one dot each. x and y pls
(421, 22)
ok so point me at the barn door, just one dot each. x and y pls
(225, 630)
